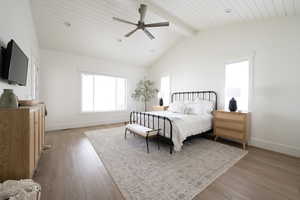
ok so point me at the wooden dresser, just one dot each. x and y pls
(231, 125)
(21, 141)
(160, 108)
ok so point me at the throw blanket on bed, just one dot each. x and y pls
(184, 125)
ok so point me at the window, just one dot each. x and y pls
(103, 93)
(33, 67)
(165, 89)
(237, 83)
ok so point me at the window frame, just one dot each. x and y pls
(170, 91)
(101, 74)
(250, 59)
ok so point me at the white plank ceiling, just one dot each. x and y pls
(94, 33)
(204, 14)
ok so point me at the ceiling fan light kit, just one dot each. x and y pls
(140, 25)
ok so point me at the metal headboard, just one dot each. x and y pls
(190, 96)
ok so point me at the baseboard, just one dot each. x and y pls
(276, 147)
(281, 148)
(61, 126)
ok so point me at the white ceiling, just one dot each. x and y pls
(204, 14)
(94, 33)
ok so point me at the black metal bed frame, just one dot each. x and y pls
(140, 117)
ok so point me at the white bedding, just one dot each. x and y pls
(184, 125)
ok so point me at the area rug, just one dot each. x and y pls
(159, 175)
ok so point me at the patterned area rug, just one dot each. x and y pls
(159, 175)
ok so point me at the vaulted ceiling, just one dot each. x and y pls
(204, 14)
(86, 27)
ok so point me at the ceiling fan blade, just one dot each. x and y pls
(131, 32)
(157, 24)
(149, 34)
(124, 21)
(142, 11)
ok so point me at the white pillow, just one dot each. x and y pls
(193, 108)
(189, 107)
(207, 106)
(177, 107)
(200, 107)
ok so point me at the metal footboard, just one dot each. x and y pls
(144, 118)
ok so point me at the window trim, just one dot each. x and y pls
(101, 74)
(251, 60)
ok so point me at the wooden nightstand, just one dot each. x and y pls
(160, 108)
(231, 125)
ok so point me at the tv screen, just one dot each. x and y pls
(15, 64)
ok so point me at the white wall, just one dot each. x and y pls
(60, 89)
(16, 23)
(198, 64)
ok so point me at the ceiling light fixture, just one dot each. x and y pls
(140, 24)
(228, 10)
(67, 24)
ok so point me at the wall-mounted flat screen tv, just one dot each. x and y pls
(15, 64)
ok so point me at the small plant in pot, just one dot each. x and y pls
(144, 92)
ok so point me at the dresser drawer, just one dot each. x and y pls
(229, 133)
(160, 108)
(236, 126)
(230, 116)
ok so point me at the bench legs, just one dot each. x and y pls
(158, 147)
(125, 133)
(147, 142)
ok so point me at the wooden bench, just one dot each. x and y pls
(144, 132)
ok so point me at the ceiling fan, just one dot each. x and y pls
(141, 23)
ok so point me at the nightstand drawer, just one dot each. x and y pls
(231, 125)
(231, 116)
(236, 126)
(229, 133)
(160, 108)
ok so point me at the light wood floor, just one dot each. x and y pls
(71, 170)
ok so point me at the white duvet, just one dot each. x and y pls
(184, 125)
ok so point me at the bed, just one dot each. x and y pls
(181, 121)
